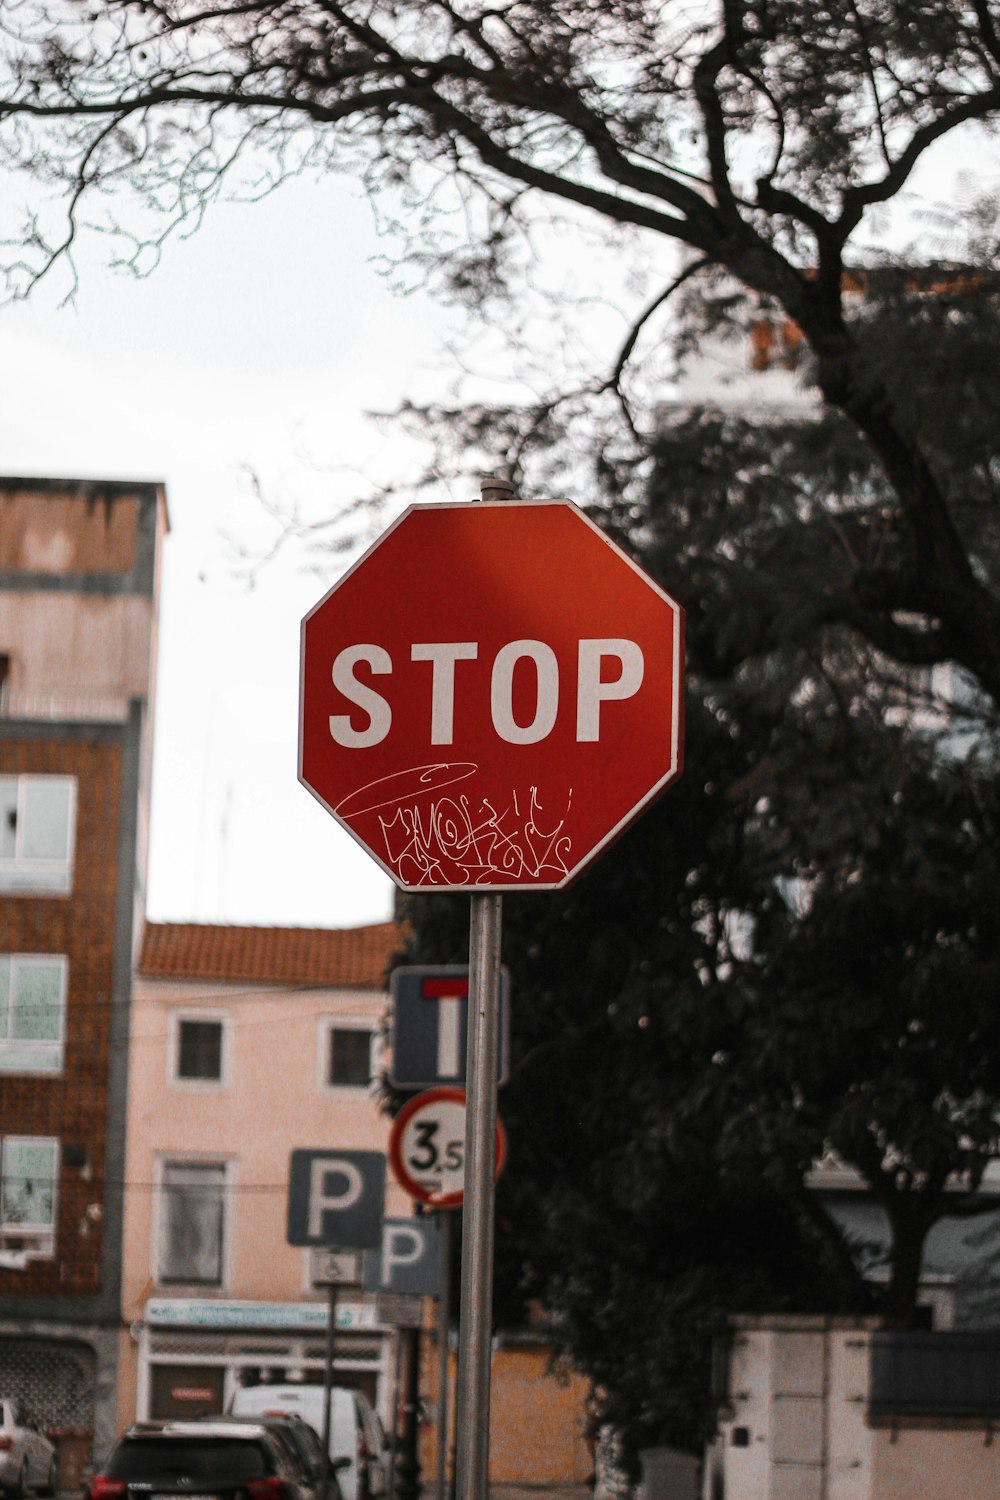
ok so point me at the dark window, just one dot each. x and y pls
(208, 1459)
(193, 1222)
(349, 1058)
(199, 1049)
(186, 1390)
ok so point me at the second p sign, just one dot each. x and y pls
(427, 1147)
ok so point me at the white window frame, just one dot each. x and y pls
(197, 1085)
(344, 1023)
(52, 877)
(159, 1220)
(9, 1044)
(34, 1241)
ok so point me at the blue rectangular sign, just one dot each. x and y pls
(409, 1260)
(336, 1198)
(430, 1025)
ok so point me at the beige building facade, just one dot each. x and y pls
(247, 1043)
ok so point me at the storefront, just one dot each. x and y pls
(195, 1352)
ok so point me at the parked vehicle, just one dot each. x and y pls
(304, 1446)
(200, 1460)
(355, 1430)
(27, 1458)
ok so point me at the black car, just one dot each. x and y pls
(201, 1460)
(300, 1439)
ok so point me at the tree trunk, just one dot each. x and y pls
(909, 1226)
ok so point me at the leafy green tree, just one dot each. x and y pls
(795, 950)
(781, 527)
(618, 1211)
(863, 1012)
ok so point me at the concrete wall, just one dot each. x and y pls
(797, 1426)
(915, 1463)
(57, 531)
(76, 649)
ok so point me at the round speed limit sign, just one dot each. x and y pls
(427, 1147)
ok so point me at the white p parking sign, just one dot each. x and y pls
(409, 1260)
(336, 1198)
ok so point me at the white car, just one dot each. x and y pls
(27, 1458)
(356, 1434)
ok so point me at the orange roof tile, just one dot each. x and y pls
(342, 958)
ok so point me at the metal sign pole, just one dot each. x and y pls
(444, 1318)
(397, 1402)
(473, 1420)
(331, 1335)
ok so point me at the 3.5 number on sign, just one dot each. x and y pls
(433, 1156)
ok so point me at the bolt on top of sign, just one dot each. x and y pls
(490, 695)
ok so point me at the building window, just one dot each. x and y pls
(193, 1222)
(29, 1171)
(198, 1050)
(348, 1057)
(32, 1012)
(37, 827)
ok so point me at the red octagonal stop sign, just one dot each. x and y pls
(490, 695)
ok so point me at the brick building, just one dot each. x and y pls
(79, 566)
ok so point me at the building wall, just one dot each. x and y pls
(271, 1099)
(78, 529)
(538, 1416)
(79, 566)
(539, 1420)
(935, 1464)
(750, 366)
(79, 650)
(71, 1104)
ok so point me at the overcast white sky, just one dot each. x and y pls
(261, 340)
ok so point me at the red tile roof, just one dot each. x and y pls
(342, 958)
